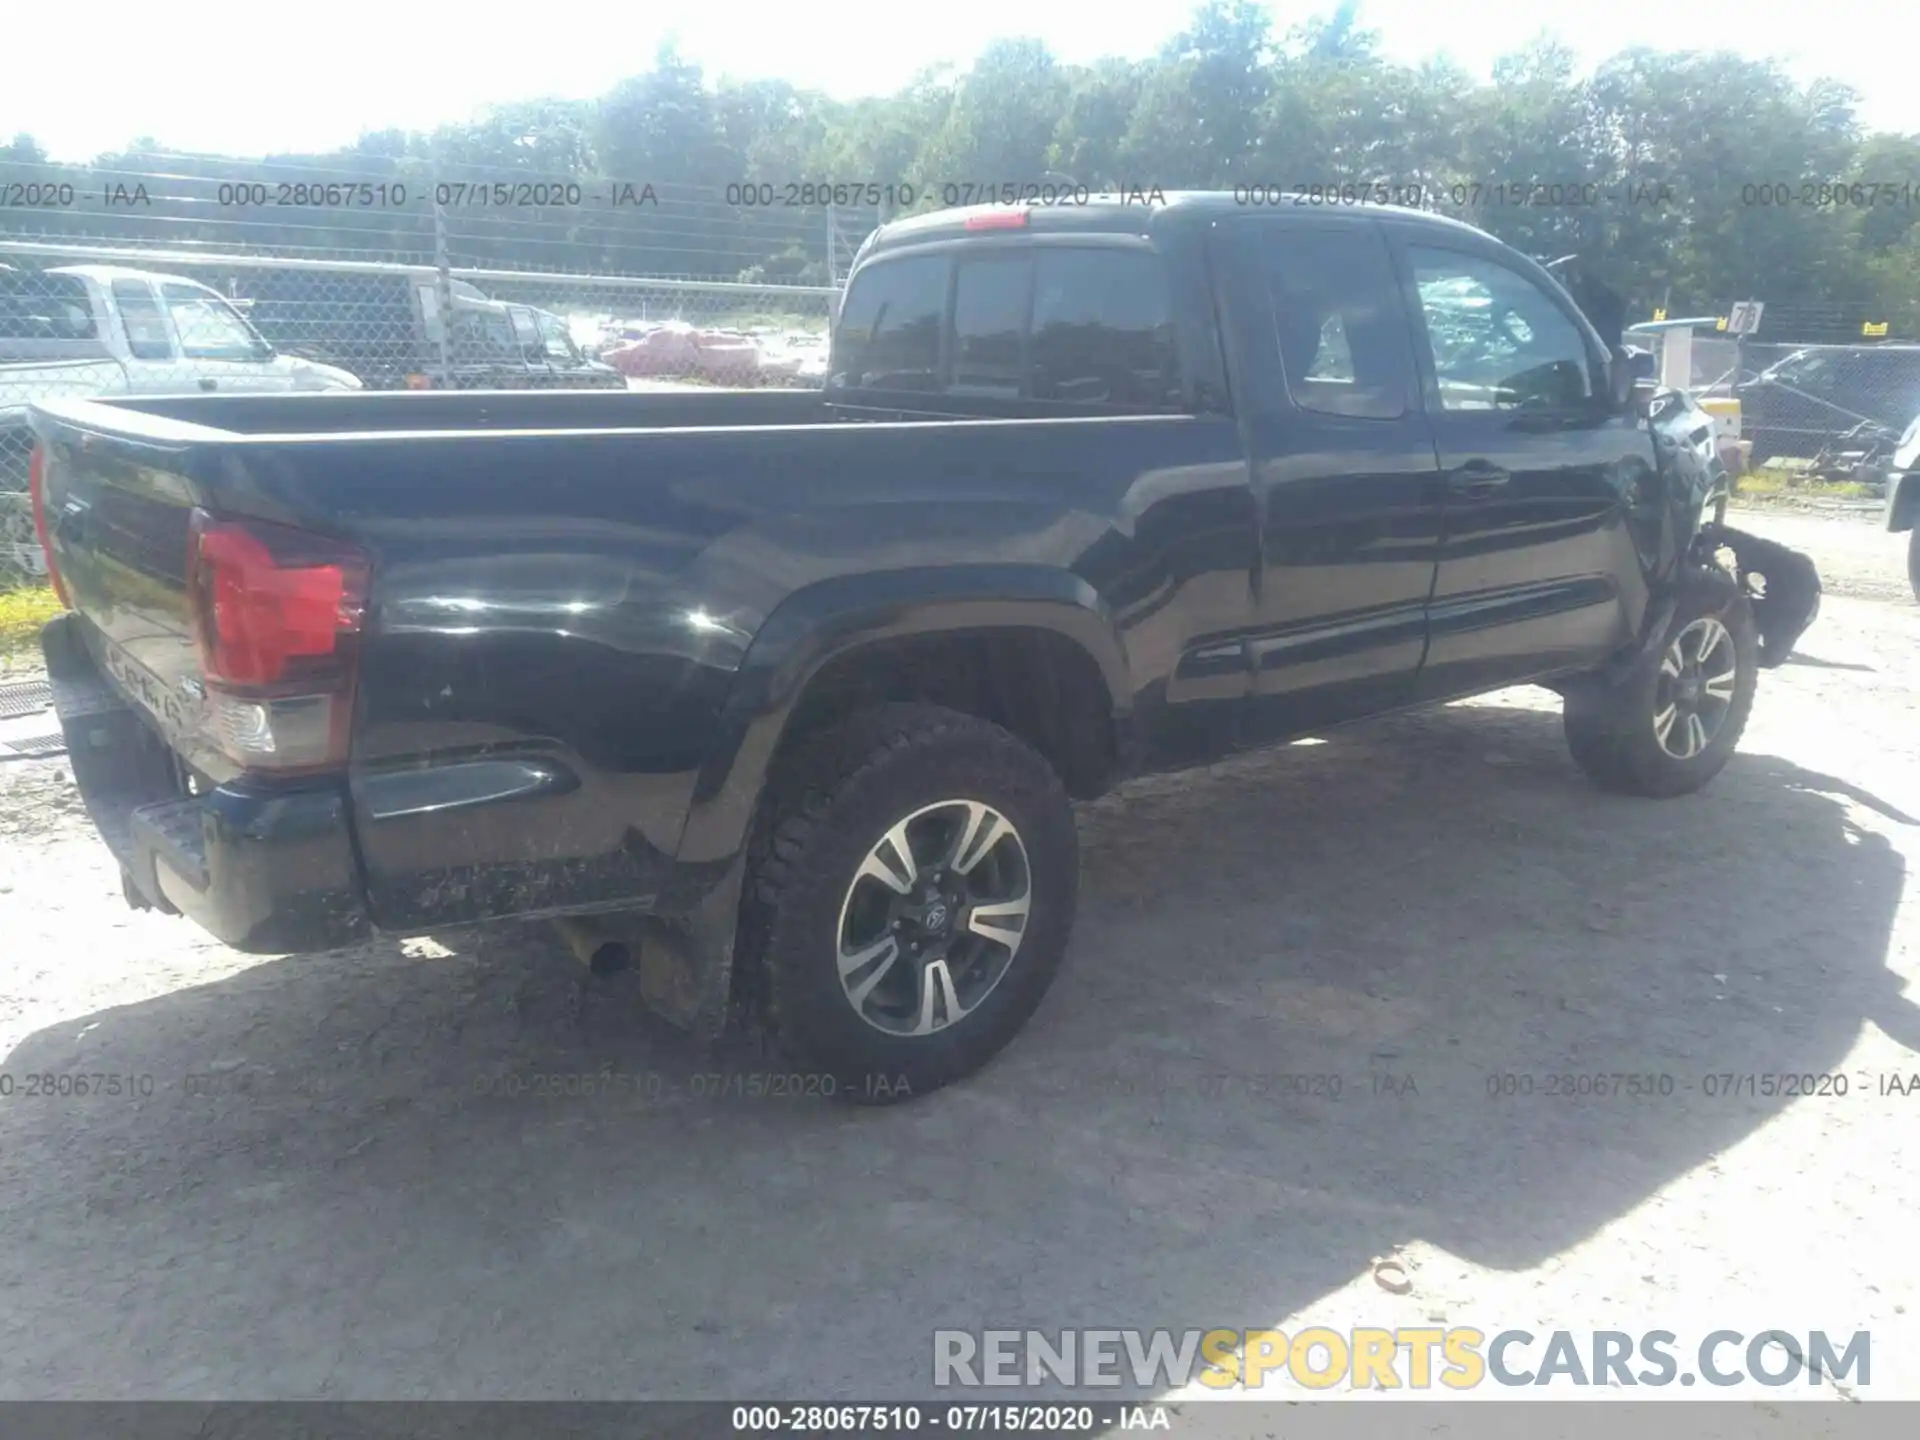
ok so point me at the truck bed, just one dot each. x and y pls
(565, 588)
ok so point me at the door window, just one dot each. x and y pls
(1343, 339)
(208, 327)
(559, 344)
(1498, 341)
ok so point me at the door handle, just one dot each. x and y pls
(207, 382)
(1477, 479)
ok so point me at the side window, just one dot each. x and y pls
(1103, 330)
(889, 332)
(990, 298)
(483, 337)
(208, 328)
(1499, 341)
(1343, 341)
(525, 332)
(559, 344)
(147, 337)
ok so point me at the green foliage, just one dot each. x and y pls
(22, 613)
(1669, 146)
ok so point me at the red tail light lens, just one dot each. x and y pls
(273, 600)
(37, 489)
(278, 614)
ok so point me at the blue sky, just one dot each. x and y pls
(243, 76)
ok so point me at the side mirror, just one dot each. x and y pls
(1632, 379)
(1620, 380)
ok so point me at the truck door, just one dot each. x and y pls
(1343, 471)
(1535, 460)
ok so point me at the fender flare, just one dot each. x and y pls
(825, 621)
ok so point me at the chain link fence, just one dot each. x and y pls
(77, 321)
(170, 274)
(1810, 402)
(184, 274)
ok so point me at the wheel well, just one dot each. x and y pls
(1035, 683)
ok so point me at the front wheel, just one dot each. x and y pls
(1913, 561)
(1672, 726)
(912, 900)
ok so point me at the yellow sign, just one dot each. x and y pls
(1872, 330)
(1661, 313)
(1721, 323)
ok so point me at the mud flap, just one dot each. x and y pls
(1783, 587)
(685, 962)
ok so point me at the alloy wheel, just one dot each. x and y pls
(933, 918)
(1697, 678)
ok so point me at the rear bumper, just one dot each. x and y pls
(267, 869)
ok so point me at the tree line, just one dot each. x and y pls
(1686, 180)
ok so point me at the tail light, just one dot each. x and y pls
(996, 220)
(37, 489)
(277, 615)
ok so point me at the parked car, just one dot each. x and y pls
(1796, 405)
(796, 358)
(676, 350)
(387, 329)
(102, 329)
(105, 329)
(788, 693)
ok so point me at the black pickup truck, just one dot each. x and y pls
(788, 693)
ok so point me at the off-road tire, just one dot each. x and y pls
(1611, 732)
(828, 805)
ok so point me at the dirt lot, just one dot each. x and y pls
(317, 1181)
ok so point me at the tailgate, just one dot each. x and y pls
(118, 513)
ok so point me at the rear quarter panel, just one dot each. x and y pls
(559, 622)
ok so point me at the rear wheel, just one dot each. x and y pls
(912, 901)
(1672, 726)
(1913, 561)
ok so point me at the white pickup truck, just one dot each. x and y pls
(80, 330)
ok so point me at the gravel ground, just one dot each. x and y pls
(318, 1181)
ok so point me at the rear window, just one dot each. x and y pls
(1081, 326)
(889, 335)
(44, 307)
(989, 325)
(1103, 330)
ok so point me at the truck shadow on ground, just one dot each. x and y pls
(1298, 987)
